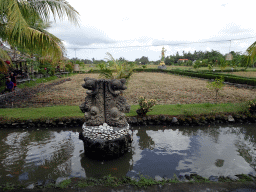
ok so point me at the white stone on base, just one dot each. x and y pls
(104, 131)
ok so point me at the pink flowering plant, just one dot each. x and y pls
(145, 105)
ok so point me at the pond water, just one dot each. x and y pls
(29, 155)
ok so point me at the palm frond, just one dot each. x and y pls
(26, 18)
(251, 50)
(105, 72)
(16, 26)
(4, 55)
(60, 8)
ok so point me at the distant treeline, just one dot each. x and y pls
(211, 57)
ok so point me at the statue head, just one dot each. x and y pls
(91, 85)
(118, 84)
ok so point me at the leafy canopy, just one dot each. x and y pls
(23, 24)
(116, 69)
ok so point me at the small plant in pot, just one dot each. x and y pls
(145, 105)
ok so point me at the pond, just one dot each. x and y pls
(29, 155)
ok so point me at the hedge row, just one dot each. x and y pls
(205, 75)
(161, 70)
(210, 75)
(202, 71)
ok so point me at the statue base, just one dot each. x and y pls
(162, 67)
(105, 142)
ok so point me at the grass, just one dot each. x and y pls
(191, 109)
(142, 182)
(43, 112)
(111, 181)
(40, 80)
(64, 184)
(74, 111)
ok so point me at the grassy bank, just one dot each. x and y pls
(74, 111)
(143, 182)
(42, 80)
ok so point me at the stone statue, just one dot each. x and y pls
(105, 121)
(104, 102)
(162, 64)
(93, 107)
(163, 50)
(115, 104)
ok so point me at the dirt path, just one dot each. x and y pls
(165, 88)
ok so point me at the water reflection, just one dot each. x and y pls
(35, 154)
(206, 151)
(117, 167)
(32, 155)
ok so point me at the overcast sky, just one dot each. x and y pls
(114, 23)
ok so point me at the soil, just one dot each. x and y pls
(165, 88)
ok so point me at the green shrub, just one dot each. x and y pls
(216, 86)
(46, 68)
(69, 68)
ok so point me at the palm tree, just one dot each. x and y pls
(3, 57)
(23, 22)
(251, 50)
(116, 69)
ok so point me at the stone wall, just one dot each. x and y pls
(133, 121)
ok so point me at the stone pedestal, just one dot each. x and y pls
(105, 142)
(162, 67)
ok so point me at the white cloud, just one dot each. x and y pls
(117, 24)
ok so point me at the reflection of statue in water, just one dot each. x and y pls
(162, 64)
(105, 131)
(145, 142)
(116, 167)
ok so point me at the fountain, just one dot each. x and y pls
(105, 131)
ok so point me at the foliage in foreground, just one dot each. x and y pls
(140, 182)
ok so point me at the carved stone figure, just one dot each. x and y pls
(105, 123)
(104, 102)
(115, 104)
(93, 107)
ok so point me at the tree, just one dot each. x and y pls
(197, 64)
(3, 57)
(144, 60)
(251, 50)
(21, 25)
(169, 60)
(122, 59)
(116, 69)
(216, 86)
(222, 63)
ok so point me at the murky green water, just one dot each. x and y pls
(29, 155)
